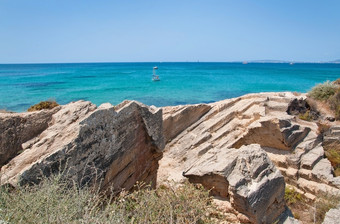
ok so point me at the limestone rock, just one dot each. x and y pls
(274, 133)
(247, 176)
(17, 128)
(176, 119)
(293, 145)
(120, 146)
(332, 135)
(332, 216)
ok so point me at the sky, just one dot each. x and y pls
(52, 31)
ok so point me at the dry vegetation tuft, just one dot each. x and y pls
(332, 152)
(50, 104)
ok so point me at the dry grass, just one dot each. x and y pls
(53, 201)
(50, 104)
(332, 152)
(324, 203)
(334, 103)
(308, 211)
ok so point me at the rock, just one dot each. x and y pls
(332, 135)
(287, 218)
(103, 147)
(301, 106)
(331, 119)
(273, 133)
(294, 145)
(311, 158)
(323, 171)
(176, 119)
(332, 216)
(247, 176)
(17, 128)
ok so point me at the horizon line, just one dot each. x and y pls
(198, 61)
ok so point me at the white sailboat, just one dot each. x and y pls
(155, 77)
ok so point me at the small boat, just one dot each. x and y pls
(155, 77)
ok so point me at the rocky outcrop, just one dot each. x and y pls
(178, 118)
(247, 176)
(292, 144)
(103, 147)
(273, 133)
(15, 129)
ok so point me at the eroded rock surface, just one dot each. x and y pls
(90, 144)
(292, 144)
(17, 128)
(245, 175)
(178, 118)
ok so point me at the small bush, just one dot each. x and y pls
(43, 105)
(323, 91)
(306, 116)
(291, 196)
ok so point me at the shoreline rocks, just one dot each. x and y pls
(88, 144)
(247, 177)
(243, 149)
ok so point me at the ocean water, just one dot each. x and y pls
(22, 85)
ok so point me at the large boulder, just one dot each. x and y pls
(106, 147)
(245, 175)
(17, 128)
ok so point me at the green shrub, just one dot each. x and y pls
(306, 116)
(43, 105)
(291, 196)
(323, 91)
(54, 201)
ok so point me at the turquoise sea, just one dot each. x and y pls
(22, 85)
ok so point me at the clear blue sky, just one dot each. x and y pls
(33, 31)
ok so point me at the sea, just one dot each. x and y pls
(23, 85)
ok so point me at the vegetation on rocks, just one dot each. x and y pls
(332, 152)
(292, 196)
(50, 104)
(306, 116)
(323, 91)
(324, 203)
(54, 201)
